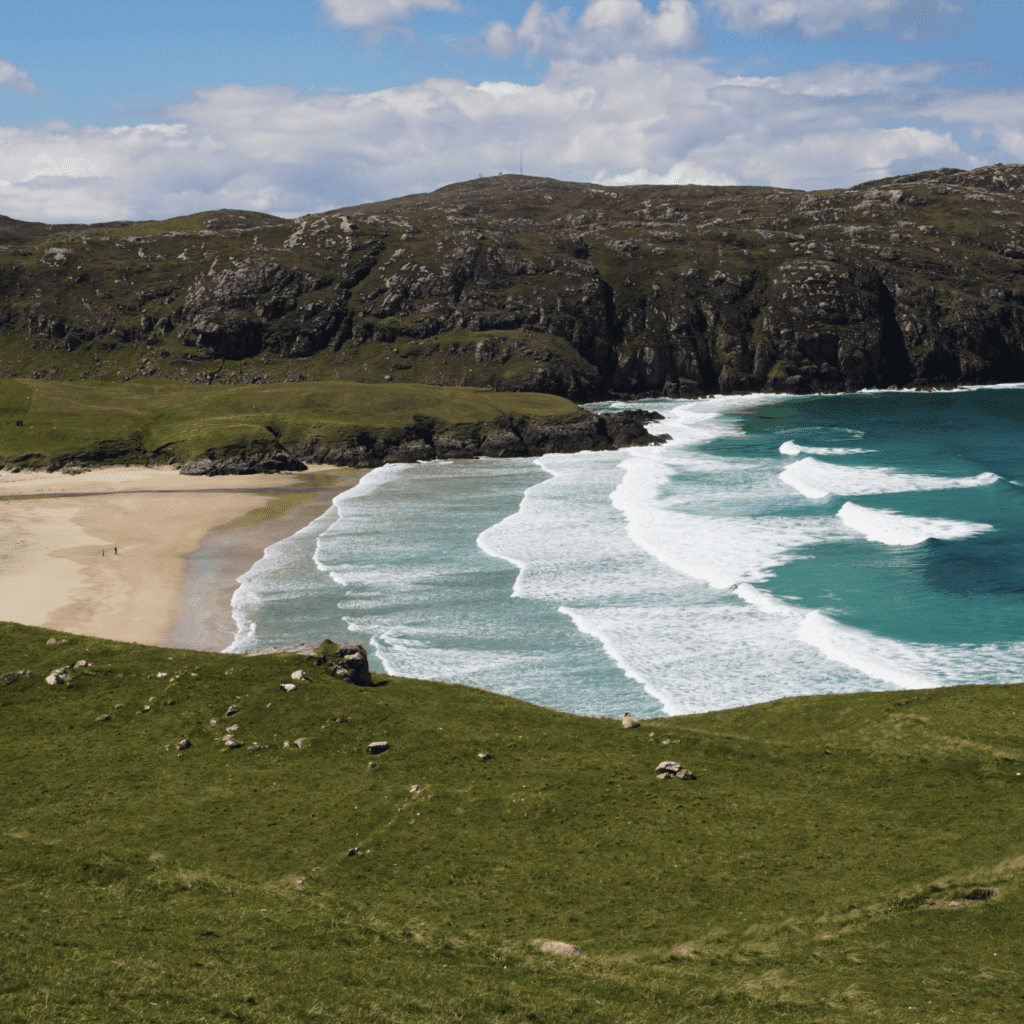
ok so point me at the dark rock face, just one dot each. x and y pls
(527, 437)
(261, 462)
(532, 284)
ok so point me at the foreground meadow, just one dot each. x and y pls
(837, 858)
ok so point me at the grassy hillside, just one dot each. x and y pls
(838, 858)
(168, 421)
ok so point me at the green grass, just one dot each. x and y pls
(155, 418)
(816, 870)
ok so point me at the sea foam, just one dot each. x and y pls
(792, 448)
(815, 479)
(887, 527)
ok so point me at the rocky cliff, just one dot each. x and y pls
(519, 283)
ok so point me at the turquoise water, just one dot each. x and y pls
(776, 546)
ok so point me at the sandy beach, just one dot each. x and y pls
(180, 542)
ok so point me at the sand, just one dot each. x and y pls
(58, 566)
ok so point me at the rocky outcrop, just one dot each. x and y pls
(515, 437)
(261, 462)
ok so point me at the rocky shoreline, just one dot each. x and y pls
(604, 432)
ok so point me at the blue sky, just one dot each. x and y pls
(115, 110)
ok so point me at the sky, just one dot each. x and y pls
(129, 110)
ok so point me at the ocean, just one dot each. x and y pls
(775, 546)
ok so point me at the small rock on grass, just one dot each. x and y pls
(673, 770)
(232, 744)
(183, 744)
(483, 756)
(558, 948)
(355, 852)
(233, 710)
(629, 722)
(300, 676)
(302, 743)
(287, 687)
(378, 747)
(103, 718)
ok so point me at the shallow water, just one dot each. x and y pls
(776, 546)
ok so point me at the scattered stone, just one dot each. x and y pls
(116, 706)
(233, 710)
(336, 721)
(213, 723)
(302, 743)
(254, 747)
(232, 744)
(414, 789)
(60, 676)
(355, 852)
(287, 687)
(483, 756)
(378, 747)
(629, 722)
(233, 728)
(103, 718)
(286, 744)
(372, 764)
(673, 770)
(82, 664)
(161, 675)
(300, 676)
(558, 948)
(346, 661)
(183, 744)
(51, 641)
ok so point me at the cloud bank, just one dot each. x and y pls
(622, 102)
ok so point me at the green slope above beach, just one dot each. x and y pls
(92, 422)
(837, 858)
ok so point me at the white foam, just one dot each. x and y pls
(763, 601)
(887, 527)
(816, 480)
(911, 665)
(792, 448)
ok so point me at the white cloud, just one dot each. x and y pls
(630, 118)
(605, 28)
(377, 14)
(909, 19)
(12, 77)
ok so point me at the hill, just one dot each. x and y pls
(836, 859)
(531, 284)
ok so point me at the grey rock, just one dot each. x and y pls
(51, 641)
(629, 722)
(287, 687)
(233, 710)
(484, 757)
(302, 743)
(243, 465)
(232, 744)
(299, 676)
(183, 744)
(377, 747)
(673, 770)
(103, 718)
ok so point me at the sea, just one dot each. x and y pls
(775, 546)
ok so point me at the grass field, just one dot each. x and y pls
(164, 420)
(838, 858)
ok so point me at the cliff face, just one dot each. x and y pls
(519, 283)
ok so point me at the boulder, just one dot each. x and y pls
(183, 744)
(232, 744)
(335, 721)
(629, 722)
(378, 747)
(347, 661)
(233, 710)
(287, 687)
(558, 948)
(673, 770)
(299, 676)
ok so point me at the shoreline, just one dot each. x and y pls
(181, 544)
